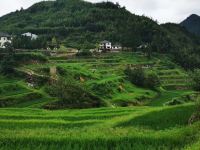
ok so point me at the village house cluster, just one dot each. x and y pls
(30, 35)
(104, 46)
(107, 46)
(6, 38)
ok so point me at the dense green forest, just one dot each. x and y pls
(80, 24)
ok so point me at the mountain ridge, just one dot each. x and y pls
(192, 24)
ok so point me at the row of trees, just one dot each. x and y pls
(43, 42)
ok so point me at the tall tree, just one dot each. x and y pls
(8, 63)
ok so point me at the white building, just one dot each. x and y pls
(32, 36)
(4, 38)
(116, 47)
(143, 46)
(105, 45)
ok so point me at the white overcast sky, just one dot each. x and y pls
(160, 10)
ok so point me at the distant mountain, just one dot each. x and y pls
(192, 24)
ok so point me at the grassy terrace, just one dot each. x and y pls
(104, 128)
(17, 93)
(24, 125)
(103, 75)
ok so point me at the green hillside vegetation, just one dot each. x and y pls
(138, 99)
(80, 24)
(102, 77)
(149, 124)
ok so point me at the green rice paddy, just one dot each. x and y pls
(150, 125)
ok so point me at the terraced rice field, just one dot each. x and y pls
(17, 93)
(25, 125)
(104, 128)
(104, 75)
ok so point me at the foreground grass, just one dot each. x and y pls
(104, 128)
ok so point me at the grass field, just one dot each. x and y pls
(148, 126)
(103, 128)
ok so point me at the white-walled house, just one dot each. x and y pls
(116, 47)
(4, 38)
(105, 45)
(143, 46)
(31, 35)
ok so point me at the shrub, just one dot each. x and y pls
(84, 53)
(71, 95)
(152, 80)
(104, 88)
(136, 76)
(8, 63)
(143, 79)
(195, 76)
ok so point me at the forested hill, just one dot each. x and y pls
(192, 24)
(82, 25)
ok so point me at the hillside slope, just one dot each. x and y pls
(80, 24)
(184, 46)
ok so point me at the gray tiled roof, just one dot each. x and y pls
(2, 34)
(104, 42)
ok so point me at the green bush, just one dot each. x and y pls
(136, 76)
(107, 88)
(152, 80)
(195, 76)
(84, 53)
(142, 78)
(71, 95)
(8, 63)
